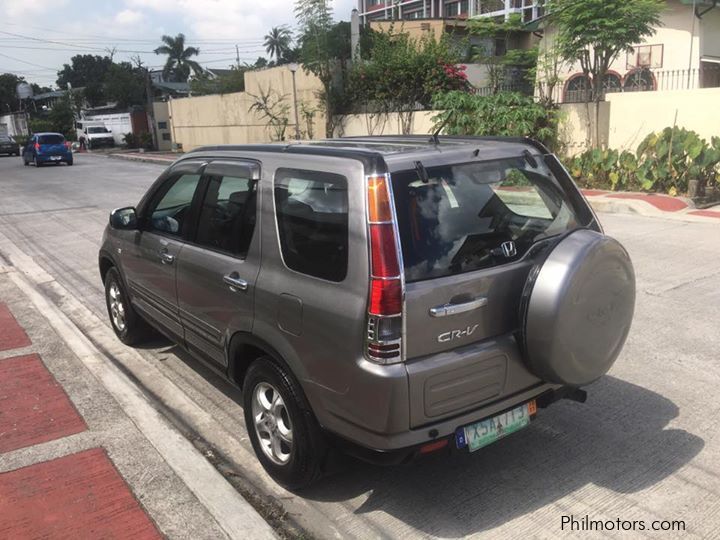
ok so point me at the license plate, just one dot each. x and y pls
(55, 158)
(480, 434)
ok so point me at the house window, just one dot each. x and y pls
(162, 125)
(639, 80)
(645, 56)
(166, 137)
(577, 89)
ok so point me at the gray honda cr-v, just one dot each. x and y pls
(391, 296)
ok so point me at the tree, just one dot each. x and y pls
(277, 42)
(88, 72)
(272, 107)
(595, 32)
(62, 118)
(125, 84)
(8, 98)
(222, 84)
(317, 53)
(179, 63)
(401, 74)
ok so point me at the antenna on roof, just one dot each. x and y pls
(435, 139)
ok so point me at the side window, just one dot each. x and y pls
(173, 205)
(227, 217)
(312, 217)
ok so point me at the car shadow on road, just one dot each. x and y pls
(617, 440)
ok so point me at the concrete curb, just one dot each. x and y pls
(155, 160)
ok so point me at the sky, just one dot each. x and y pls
(38, 36)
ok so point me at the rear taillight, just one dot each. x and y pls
(385, 303)
(68, 145)
(37, 147)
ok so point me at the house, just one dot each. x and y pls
(376, 10)
(683, 54)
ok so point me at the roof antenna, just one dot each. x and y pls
(435, 139)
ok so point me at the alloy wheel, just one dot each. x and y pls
(272, 423)
(117, 307)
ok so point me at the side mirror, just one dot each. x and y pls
(124, 219)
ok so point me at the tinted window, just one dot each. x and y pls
(97, 130)
(5, 139)
(173, 206)
(312, 215)
(51, 139)
(458, 220)
(227, 217)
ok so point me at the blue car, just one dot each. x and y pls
(44, 148)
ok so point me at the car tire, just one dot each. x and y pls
(128, 326)
(276, 409)
(26, 162)
(70, 163)
(36, 162)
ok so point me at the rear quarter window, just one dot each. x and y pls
(463, 216)
(312, 220)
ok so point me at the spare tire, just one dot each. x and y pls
(577, 309)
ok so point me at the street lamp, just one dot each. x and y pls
(293, 68)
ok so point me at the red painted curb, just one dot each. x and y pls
(33, 406)
(77, 496)
(666, 204)
(12, 335)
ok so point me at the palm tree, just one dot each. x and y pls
(277, 42)
(178, 62)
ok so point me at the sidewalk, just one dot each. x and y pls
(76, 461)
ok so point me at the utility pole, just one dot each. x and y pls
(237, 56)
(150, 110)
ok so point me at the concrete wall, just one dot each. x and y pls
(577, 127)
(634, 115)
(226, 119)
(358, 125)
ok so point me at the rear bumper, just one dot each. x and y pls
(397, 456)
(51, 157)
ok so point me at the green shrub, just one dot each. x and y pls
(506, 114)
(665, 163)
(673, 157)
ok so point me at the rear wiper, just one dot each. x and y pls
(422, 172)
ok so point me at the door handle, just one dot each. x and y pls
(454, 309)
(166, 258)
(235, 283)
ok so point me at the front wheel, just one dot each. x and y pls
(127, 324)
(283, 430)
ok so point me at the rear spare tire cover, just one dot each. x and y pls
(578, 309)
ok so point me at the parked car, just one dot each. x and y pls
(44, 148)
(96, 134)
(390, 297)
(8, 145)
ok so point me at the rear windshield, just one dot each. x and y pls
(460, 217)
(51, 139)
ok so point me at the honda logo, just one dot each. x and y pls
(509, 249)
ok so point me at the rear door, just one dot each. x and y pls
(218, 267)
(465, 231)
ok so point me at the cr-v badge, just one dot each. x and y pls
(456, 334)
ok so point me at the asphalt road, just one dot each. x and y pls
(644, 447)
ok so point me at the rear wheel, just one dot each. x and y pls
(35, 161)
(70, 162)
(283, 430)
(125, 321)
